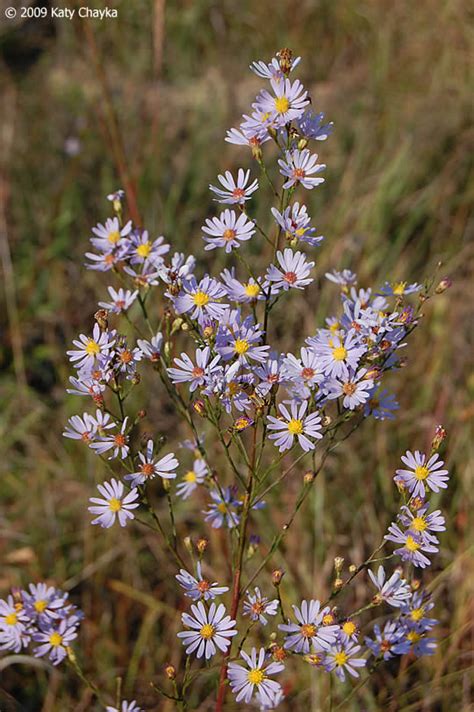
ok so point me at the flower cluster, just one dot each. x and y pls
(42, 617)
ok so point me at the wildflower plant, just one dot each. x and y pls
(207, 340)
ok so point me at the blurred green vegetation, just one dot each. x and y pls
(396, 78)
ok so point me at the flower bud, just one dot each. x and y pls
(439, 436)
(188, 544)
(141, 414)
(208, 332)
(166, 485)
(176, 325)
(309, 477)
(185, 326)
(415, 584)
(293, 242)
(326, 420)
(256, 151)
(200, 407)
(136, 378)
(278, 653)
(313, 659)
(201, 545)
(443, 285)
(338, 584)
(101, 317)
(277, 576)
(338, 564)
(329, 618)
(352, 569)
(285, 58)
(302, 143)
(170, 671)
(70, 654)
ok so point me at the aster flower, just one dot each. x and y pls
(151, 349)
(222, 510)
(423, 473)
(305, 370)
(81, 428)
(381, 406)
(421, 522)
(109, 236)
(400, 289)
(55, 639)
(394, 590)
(180, 269)
(86, 386)
(42, 602)
(257, 607)
(113, 504)
(117, 442)
(287, 103)
(201, 299)
(126, 359)
(209, 630)
(248, 292)
(253, 680)
(339, 354)
(292, 273)
(121, 300)
(253, 131)
(125, 706)
(273, 69)
(90, 348)
(420, 644)
(195, 374)
(198, 587)
(240, 339)
(392, 641)
(228, 230)
(295, 424)
(348, 631)
(309, 630)
(414, 612)
(299, 168)
(13, 625)
(310, 125)
(235, 191)
(142, 249)
(270, 374)
(412, 546)
(192, 478)
(149, 467)
(117, 196)
(295, 223)
(354, 390)
(340, 659)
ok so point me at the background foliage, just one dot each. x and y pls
(148, 96)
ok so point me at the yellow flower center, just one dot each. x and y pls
(92, 348)
(339, 353)
(417, 614)
(421, 472)
(328, 619)
(399, 288)
(334, 327)
(348, 389)
(252, 290)
(341, 658)
(349, 628)
(413, 636)
(229, 234)
(115, 505)
(200, 299)
(207, 631)
(241, 346)
(308, 630)
(282, 104)
(113, 237)
(40, 606)
(11, 619)
(144, 249)
(222, 508)
(55, 639)
(419, 524)
(411, 544)
(255, 676)
(190, 476)
(295, 426)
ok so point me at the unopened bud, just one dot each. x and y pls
(302, 143)
(185, 326)
(439, 436)
(313, 659)
(167, 349)
(170, 671)
(372, 374)
(443, 286)
(352, 569)
(400, 485)
(327, 420)
(208, 332)
(278, 653)
(176, 325)
(141, 414)
(416, 503)
(102, 318)
(188, 544)
(309, 477)
(200, 407)
(166, 484)
(338, 564)
(136, 378)
(256, 151)
(285, 58)
(329, 619)
(277, 576)
(201, 545)
(338, 584)
(293, 242)
(415, 584)
(71, 654)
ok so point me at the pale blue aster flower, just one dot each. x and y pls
(423, 473)
(227, 230)
(300, 167)
(201, 299)
(235, 192)
(412, 546)
(344, 278)
(295, 223)
(355, 390)
(339, 354)
(109, 236)
(400, 289)
(381, 405)
(389, 642)
(113, 504)
(393, 590)
(309, 629)
(55, 639)
(222, 510)
(245, 292)
(310, 125)
(149, 467)
(257, 607)
(295, 424)
(152, 348)
(89, 348)
(209, 630)
(125, 706)
(143, 249)
(422, 523)
(192, 478)
(117, 442)
(288, 101)
(341, 659)
(292, 272)
(197, 587)
(194, 374)
(121, 300)
(254, 680)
